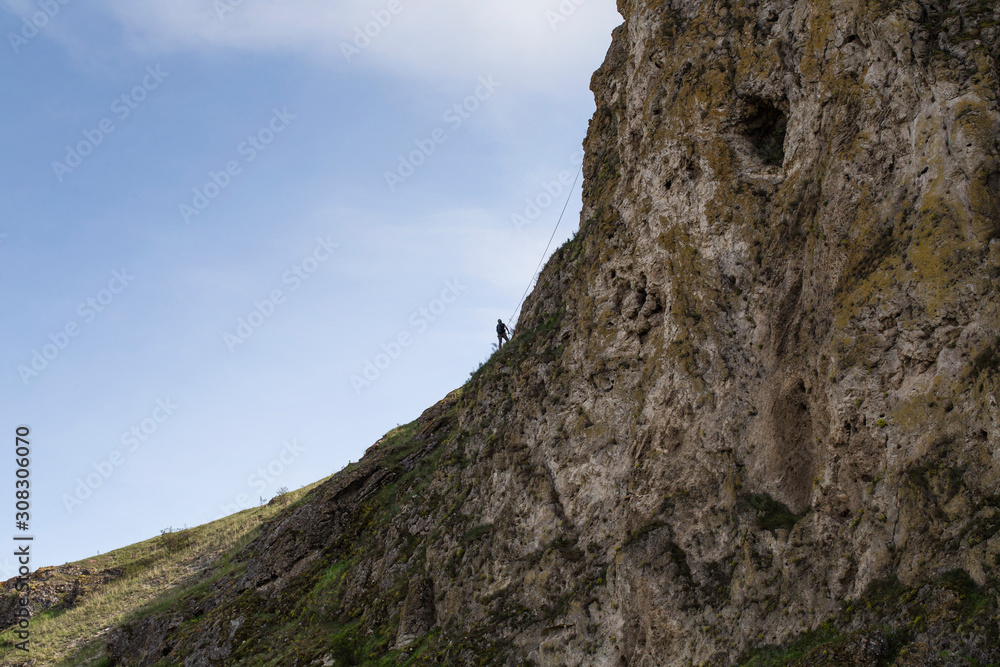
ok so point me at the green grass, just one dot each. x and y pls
(317, 617)
(348, 647)
(156, 574)
(775, 656)
(822, 646)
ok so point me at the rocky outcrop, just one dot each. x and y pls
(145, 642)
(751, 408)
(54, 589)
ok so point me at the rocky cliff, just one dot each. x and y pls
(749, 415)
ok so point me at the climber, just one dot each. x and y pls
(502, 332)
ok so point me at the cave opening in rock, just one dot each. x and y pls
(764, 124)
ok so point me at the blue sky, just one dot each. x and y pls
(217, 216)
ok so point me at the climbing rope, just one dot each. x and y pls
(545, 253)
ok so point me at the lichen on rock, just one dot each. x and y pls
(750, 413)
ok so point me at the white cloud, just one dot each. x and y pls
(445, 38)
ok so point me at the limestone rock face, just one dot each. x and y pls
(753, 403)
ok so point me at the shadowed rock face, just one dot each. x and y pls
(752, 403)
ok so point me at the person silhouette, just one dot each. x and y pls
(502, 332)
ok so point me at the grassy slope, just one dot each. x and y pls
(155, 571)
(317, 616)
(319, 623)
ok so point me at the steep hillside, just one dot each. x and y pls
(749, 415)
(73, 606)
